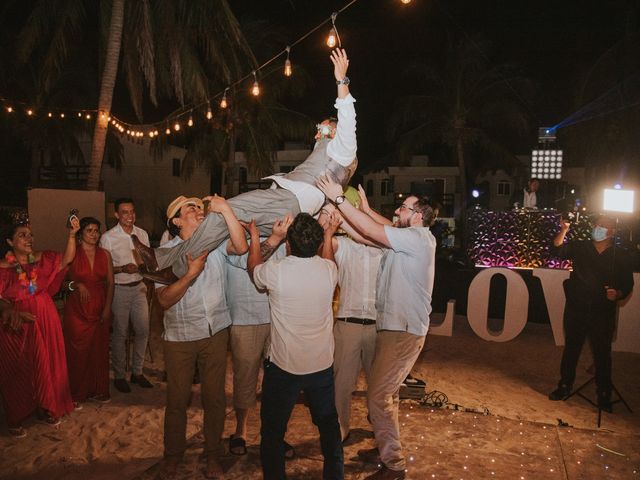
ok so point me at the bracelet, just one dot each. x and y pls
(69, 286)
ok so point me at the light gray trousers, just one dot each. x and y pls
(263, 206)
(129, 303)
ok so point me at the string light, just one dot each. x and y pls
(255, 90)
(62, 115)
(287, 64)
(190, 122)
(29, 112)
(88, 116)
(168, 131)
(223, 102)
(334, 37)
(176, 127)
(209, 113)
(405, 2)
(9, 109)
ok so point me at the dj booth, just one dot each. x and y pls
(519, 238)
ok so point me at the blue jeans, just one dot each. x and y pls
(280, 391)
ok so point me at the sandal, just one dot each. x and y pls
(17, 432)
(237, 446)
(77, 406)
(289, 452)
(48, 419)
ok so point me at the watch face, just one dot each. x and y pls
(339, 199)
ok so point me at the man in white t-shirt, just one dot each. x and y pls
(403, 304)
(300, 357)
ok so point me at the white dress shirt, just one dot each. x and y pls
(120, 246)
(342, 148)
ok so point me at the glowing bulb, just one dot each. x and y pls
(223, 102)
(209, 114)
(62, 115)
(176, 127)
(150, 134)
(168, 131)
(406, 2)
(50, 114)
(332, 38)
(287, 68)
(9, 109)
(79, 114)
(87, 116)
(255, 90)
(155, 133)
(29, 112)
(190, 122)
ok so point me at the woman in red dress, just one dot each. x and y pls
(33, 368)
(87, 316)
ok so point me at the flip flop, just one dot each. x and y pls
(289, 452)
(237, 446)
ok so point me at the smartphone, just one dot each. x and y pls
(73, 213)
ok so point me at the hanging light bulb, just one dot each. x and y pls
(50, 115)
(223, 102)
(190, 122)
(406, 2)
(209, 113)
(255, 90)
(79, 114)
(287, 64)
(334, 38)
(151, 134)
(9, 109)
(176, 127)
(88, 116)
(168, 131)
(29, 112)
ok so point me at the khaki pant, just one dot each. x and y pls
(396, 353)
(249, 344)
(180, 360)
(355, 347)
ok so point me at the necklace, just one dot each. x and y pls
(26, 279)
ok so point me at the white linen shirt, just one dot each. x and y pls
(300, 297)
(405, 280)
(248, 305)
(530, 199)
(202, 311)
(357, 272)
(120, 246)
(342, 148)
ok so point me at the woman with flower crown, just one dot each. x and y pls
(33, 372)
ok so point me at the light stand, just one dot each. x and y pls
(616, 201)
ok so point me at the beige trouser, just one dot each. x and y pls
(354, 348)
(180, 360)
(396, 352)
(249, 344)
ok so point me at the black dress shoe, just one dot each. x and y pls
(164, 276)
(122, 385)
(141, 381)
(147, 254)
(560, 393)
(604, 401)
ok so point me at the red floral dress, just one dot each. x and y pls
(33, 367)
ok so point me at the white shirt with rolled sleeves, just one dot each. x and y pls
(357, 273)
(202, 311)
(120, 246)
(247, 304)
(405, 280)
(300, 297)
(342, 148)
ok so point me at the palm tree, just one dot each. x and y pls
(463, 102)
(167, 47)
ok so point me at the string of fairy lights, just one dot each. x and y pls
(187, 115)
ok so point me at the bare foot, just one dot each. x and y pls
(214, 469)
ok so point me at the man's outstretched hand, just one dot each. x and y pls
(340, 63)
(330, 188)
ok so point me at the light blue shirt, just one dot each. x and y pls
(247, 304)
(202, 311)
(405, 280)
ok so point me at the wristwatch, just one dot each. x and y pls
(344, 81)
(339, 199)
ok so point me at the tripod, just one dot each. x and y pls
(578, 391)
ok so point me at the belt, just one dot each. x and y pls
(359, 321)
(132, 284)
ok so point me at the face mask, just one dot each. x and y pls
(599, 234)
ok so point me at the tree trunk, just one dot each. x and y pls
(106, 93)
(229, 167)
(464, 193)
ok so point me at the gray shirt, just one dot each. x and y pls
(405, 280)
